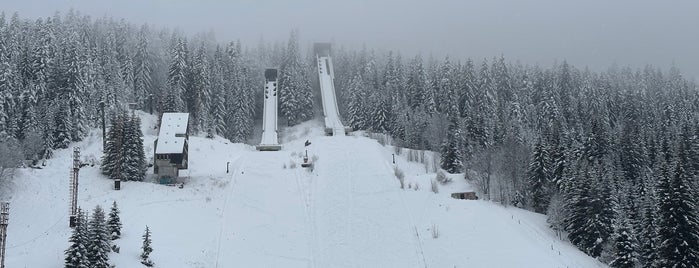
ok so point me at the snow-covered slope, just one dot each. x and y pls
(348, 211)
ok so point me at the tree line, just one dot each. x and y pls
(608, 156)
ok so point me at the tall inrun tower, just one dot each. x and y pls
(326, 76)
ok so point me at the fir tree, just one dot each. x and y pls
(624, 251)
(61, 134)
(133, 162)
(114, 223)
(450, 149)
(147, 249)
(295, 95)
(142, 67)
(678, 231)
(538, 182)
(77, 253)
(98, 246)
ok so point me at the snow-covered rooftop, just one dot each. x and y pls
(171, 125)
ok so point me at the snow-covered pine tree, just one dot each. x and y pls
(589, 211)
(416, 83)
(538, 179)
(379, 115)
(98, 245)
(133, 162)
(197, 87)
(142, 62)
(177, 73)
(357, 103)
(678, 229)
(295, 95)
(450, 150)
(624, 247)
(77, 253)
(647, 228)
(114, 222)
(217, 110)
(147, 249)
(63, 127)
(112, 149)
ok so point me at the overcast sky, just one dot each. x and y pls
(593, 33)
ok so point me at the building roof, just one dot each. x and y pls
(171, 125)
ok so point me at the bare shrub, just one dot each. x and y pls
(435, 188)
(442, 178)
(417, 186)
(400, 175)
(292, 164)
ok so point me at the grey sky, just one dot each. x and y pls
(594, 33)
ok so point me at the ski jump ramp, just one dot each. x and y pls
(333, 125)
(270, 140)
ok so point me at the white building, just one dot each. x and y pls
(171, 147)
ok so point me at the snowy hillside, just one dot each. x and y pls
(349, 211)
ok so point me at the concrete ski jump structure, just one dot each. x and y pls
(270, 140)
(333, 125)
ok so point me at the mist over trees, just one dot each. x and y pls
(611, 157)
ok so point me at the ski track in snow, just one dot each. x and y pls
(348, 211)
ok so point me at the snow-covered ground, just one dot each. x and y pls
(348, 211)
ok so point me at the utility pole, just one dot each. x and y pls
(104, 133)
(4, 218)
(150, 103)
(74, 187)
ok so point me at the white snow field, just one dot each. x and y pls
(327, 90)
(348, 211)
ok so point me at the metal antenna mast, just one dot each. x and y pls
(4, 218)
(74, 187)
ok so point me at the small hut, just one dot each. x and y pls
(171, 147)
(465, 195)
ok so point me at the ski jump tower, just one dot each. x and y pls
(333, 125)
(270, 140)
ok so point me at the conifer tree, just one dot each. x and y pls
(142, 67)
(295, 95)
(133, 156)
(112, 148)
(624, 248)
(147, 249)
(77, 253)
(451, 149)
(357, 107)
(61, 134)
(114, 222)
(177, 75)
(538, 182)
(98, 245)
(678, 229)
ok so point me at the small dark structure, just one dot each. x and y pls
(171, 147)
(306, 163)
(465, 195)
(322, 49)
